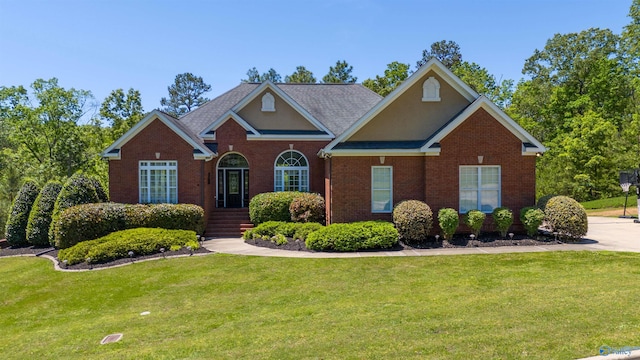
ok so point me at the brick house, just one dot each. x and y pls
(432, 139)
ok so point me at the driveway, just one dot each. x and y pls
(613, 234)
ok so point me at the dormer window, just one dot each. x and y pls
(268, 103)
(431, 90)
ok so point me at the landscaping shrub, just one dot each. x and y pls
(307, 207)
(542, 202)
(91, 221)
(270, 229)
(566, 217)
(449, 221)
(78, 189)
(100, 190)
(413, 219)
(40, 216)
(502, 218)
(271, 206)
(16, 228)
(353, 236)
(474, 219)
(531, 217)
(142, 241)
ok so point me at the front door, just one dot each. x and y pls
(234, 188)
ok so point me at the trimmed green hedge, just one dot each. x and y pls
(78, 189)
(91, 221)
(353, 236)
(531, 217)
(502, 218)
(40, 216)
(271, 206)
(474, 220)
(307, 207)
(16, 228)
(413, 219)
(270, 229)
(142, 241)
(449, 221)
(566, 217)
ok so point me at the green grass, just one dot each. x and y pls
(617, 202)
(557, 305)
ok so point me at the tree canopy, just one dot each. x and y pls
(253, 76)
(340, 74)
(300, 76)
(185, 94)
(121, 111)
(394, 75)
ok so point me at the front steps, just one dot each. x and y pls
(228, 222)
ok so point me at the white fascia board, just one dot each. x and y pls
(484, 103)
(223, 119)
(142, 124)
(273, 87)
(290, 137)
(377, 152)
(432, 64)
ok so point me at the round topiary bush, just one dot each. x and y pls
(474, 220)
(40, 216)
(271, 206)
(531, 217)
(78, 189)
(307, 207)
(16, 228)
(413, 219)
(566, 217)
(502, 218)
(449, 221)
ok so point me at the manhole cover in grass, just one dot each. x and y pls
(111, 339)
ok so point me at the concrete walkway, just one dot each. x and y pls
(611, 234)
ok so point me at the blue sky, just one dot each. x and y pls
(102, 45)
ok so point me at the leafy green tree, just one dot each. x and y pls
(448, 52)
(394, 75)
(121, 111)
(253, 76)
(185, 94)
(340, 74)
(271, 75)
(301, 76)
(43, 129)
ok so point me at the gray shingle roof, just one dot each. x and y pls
(336, 106)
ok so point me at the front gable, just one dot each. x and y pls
(268, 113)
(200, 151)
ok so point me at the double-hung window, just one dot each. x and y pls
(479, 188)
(381, 189)
(158, 182)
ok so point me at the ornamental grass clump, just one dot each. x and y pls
(531, 217)
(474, 219)
(449, 221)
(413, 219)
(566, 217)
(502, 218)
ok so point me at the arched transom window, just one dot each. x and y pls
(291, 172)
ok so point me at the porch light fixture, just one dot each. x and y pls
(480, 159)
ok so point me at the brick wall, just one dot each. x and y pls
(156, 137)
(435, 179)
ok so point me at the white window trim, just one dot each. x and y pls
(478, 187)
(145, 165)
(277, 169)
(390, 189)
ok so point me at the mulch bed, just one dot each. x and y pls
(49, 251)
(459, 241)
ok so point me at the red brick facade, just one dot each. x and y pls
(435, 179)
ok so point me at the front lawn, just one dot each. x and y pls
(536, 305)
